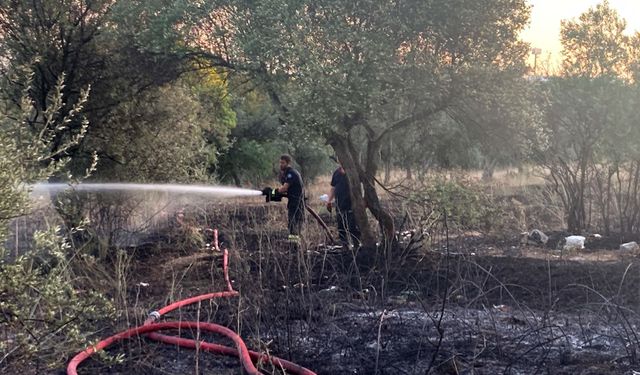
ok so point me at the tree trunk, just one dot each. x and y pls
(387, 164)
(409, 173)
(387, 172)
(370, 194)
(236, 179)
(488, 169)
(351, 166)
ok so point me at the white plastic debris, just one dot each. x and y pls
(503, 308)
(373, 345)
(332, 288)
(574, 243)
(324, 198)
(629, 246)
(406, 235)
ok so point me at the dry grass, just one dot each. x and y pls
(505, 181)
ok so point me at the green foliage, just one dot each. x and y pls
(42, 314)
(132, 54)
(258, 141)
(596, 44)
(254, 147)
(158, 27)
(251, 162)
(581, 115)
(443, 143)
(248, 162)
(54, 41)
(462, 200)
(27, 158)
(170, 133)
(313, 159)
(591, 120)
(334, 62)
(44, 318)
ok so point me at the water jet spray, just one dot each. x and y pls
(218, 191)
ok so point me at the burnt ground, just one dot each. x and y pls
(460, 303)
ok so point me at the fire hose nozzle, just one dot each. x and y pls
(272, 195)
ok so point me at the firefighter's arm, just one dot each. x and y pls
(284, 188)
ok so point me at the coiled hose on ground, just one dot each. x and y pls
(149, 328)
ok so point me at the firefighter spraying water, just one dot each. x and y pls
(293, 189)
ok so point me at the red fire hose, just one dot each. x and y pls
(247, 357)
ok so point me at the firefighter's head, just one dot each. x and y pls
(285, 161)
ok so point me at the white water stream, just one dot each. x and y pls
(217, 191)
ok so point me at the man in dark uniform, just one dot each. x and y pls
(347, 227)
(293, 188)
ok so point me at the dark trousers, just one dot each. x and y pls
(347, 227)
(295, 211)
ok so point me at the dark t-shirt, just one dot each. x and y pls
(296, 187)
(340, 182)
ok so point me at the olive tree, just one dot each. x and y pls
(355, 72)
(587, 142)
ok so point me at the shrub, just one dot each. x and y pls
(463, 201)
(42, 311)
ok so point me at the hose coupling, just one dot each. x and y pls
(154, 315)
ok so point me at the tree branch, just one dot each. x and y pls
(408, 121)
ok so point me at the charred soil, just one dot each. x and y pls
(451, 304)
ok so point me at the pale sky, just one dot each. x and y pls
(544, 31)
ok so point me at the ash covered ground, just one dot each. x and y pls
(465, 304)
